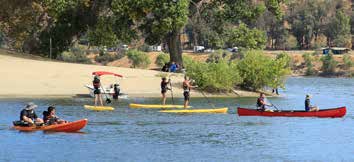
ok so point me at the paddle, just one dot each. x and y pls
(272, 104)
(207, 99)
(173, 102)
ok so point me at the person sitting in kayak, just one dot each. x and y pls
(96, 85)
(164, 89)
(50, 118)
(261, 103)
(186, 90)
(308, 106)
(29, 116)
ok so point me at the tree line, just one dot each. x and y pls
(29, 26)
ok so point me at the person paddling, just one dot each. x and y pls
(50, 118)
(29, 115)
(164, 89)
(186, 90)
(308, 106)
(261, 103)
(96, 85)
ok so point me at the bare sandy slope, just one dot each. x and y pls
(22, 77)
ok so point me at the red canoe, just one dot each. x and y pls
(66, 127)
(325, 113)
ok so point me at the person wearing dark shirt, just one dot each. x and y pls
(164, 89)
(29, 115)
(165, 68)
(97, 92)
(50, 118)
(308, 106)
(261, 103)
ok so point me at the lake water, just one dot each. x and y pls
(147, 135)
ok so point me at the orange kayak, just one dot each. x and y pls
(66, 127)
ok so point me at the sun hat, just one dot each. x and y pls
(30, 106)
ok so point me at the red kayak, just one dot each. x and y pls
(66, 127)
(325, 113)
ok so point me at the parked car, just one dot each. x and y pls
(198, 49)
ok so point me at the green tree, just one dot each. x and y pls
(348, 63)
(102, 34)
(258, 71)
(138, 58)
(207, 75)
(329, 64)
(338, 31)
(308, 63)
(242, 36)
(162, 59)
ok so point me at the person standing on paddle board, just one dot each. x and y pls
(186, 90)
(308, 106)
(29, 115)
(164, 89)
(96, 85)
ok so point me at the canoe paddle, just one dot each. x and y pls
(169, 77)
(207, 99)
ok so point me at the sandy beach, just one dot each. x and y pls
(36, 78)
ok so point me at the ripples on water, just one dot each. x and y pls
(146, 135)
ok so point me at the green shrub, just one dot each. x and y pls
(258, 71)
(308, 63)
(138, 58)
(162, 59)
(286, 58)
(348, 63)
(328, 64)
(218, 55)
(214, 77)
(144, 48)
(74, 55)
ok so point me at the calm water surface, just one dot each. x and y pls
(147, 135)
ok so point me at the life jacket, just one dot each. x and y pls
(259, 102)
(163, 85)
(185, 87)
(96, 83)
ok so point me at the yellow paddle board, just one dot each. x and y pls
(99, 108)
(142, 106)
(218, 110)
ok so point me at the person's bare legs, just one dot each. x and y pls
(100, 97)
(186, 102)
(163, 98)
(96, 98)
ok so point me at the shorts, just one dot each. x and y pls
(97, 91)
(163, 91)
(186, 96)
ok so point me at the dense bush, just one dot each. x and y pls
(213, 77)
(74, 55)
(218, 55)
(162, 59)
(347, 62)
(105, 58)
(254, 71)
(258, 71)
(308, 63)
(287, 59)
(328, 64)
(138, 58)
